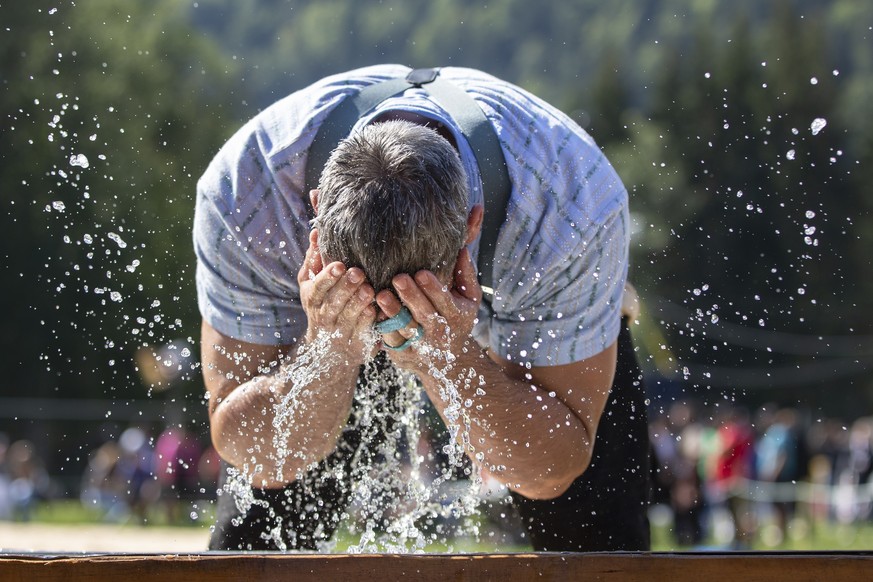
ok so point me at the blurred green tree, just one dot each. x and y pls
(110, 111)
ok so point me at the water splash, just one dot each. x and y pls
(312, 360)
(402, 507)
(399, 501)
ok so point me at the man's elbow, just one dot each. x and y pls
(227, 441)
(552, 483)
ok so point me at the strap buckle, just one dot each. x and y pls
(419, 77)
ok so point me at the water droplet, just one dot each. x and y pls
(790, 155)
(118, 240)
(79, 160)
(817, 125)
(59, 205)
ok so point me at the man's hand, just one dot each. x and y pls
(534, 426)
(446, 312)
(337, 301)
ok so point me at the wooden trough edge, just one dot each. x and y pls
(267, 567)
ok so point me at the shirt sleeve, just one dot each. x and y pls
(561, 260)
(569, 310)
(247, 259)
(251, 225)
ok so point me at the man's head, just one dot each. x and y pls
(393, 199)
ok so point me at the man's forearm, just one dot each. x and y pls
(278, 423)
(525, 436)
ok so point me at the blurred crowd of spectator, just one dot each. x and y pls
(127, 478)
(730, 474)
(136, 473)
(723, 475)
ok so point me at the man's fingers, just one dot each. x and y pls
(312, 263)
(390, 307)
(359, 319)
(325, 281)
(411, 294)
(339, 299)
(358, 309)
(388, 303)
(437, 294)
(343, 292)
(335, 298)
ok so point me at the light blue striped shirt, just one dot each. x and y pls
(562, 253)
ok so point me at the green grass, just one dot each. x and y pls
(70, 511)
(802, 534)
(825, 537)
(65, 512)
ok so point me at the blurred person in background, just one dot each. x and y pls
(28, 480)
(177, 457)
(100, 488)
(780, 457)
(859, 466)
(135, 472)
(5, 493)
(734, 468)
(687, 498)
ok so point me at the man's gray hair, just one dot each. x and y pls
(393, 199)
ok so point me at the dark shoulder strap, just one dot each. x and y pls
(339, 123)
(471, 120)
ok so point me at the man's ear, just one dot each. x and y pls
(313, 199)
(474, 223)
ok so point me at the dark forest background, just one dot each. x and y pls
(742, 130)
